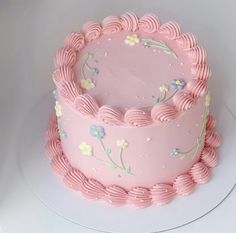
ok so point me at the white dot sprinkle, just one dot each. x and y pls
(148, 139)
(136, 97)
(170, 64)
(178, 125)
(106, 54)
(197, 125)
(163, 166)
(154, 50)
(109, 38)
(181, 63)
(144, 97)
(159, 51)
(183, 73)
(94, 169)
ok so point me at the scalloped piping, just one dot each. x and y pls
(129, 21)
(140, 197)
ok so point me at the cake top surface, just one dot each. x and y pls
(127, 70)
(130, 70)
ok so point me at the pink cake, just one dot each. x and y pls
(132, 122)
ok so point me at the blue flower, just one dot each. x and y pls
(175, 152)
(95, 71)
(97, 131)
(178, 84)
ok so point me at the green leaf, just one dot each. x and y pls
(112, 165)
(128, 169)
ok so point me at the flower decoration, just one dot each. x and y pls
(55, 94)
(122, 143)
(95, 71)
(178, 84)
(132, 40)
(208, 100)
(164, 88)
(58, 109)
(85, 148)
(97, 131)
(175, 152)
(62, 133)
(87, 84)
(146, 45)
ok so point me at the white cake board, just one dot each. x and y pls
(96, 215)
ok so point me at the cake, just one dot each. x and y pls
(132, 122)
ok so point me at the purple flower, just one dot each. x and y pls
(97, 131)
(178, 84)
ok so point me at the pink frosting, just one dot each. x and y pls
(111, 25)
(86, 105)
(212, 139)
(209, 157)
(63, 74)
(53, 120)
(163, 112)
(186, 41)
(53, 148)
(74, 179)
(92, 30)
(69, 91)
(65, 56)
(211, 122)
(75, 40)
(60, 164)
(197, 55)
(149, 23)
(93, 189)
(183, 184)
(201, 71)
(200, 173)
(183, 101)
(162, 194)
(139, 197)
(197, 87)
(52, 133)
(115, 195)
(138, 117)
(129, 21)
(110, 115)
(171, 30)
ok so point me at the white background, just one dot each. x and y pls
(30, 33)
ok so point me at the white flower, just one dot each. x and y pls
(132, 40)
(85, 148)
(164, 88)
(122, 143)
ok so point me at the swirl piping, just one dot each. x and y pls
(69, 91)
(137, 117)
(149, 23)
(115, 195)
(183, 184)
(170, 29)
(183, 101)
(52, 133)
(86, 105)
(211, 122)
(200, 173)
(163, 112)
(93, 189)
(139, 197)
(201, 71)
(129, 21)
(92, 30)
(74, 179)
(53, 148)
(110, 116)
(63, 74)
(209, 157)
(75, 40)
(197, 55)
(60, 164)
(197, 87)
(111, 25)
(212, 139)
(186, 41)
(65, 56)
(162, 194)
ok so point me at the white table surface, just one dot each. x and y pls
(30, 33)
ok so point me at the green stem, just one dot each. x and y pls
(170, 97)
(121, 158)
(108, 156)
